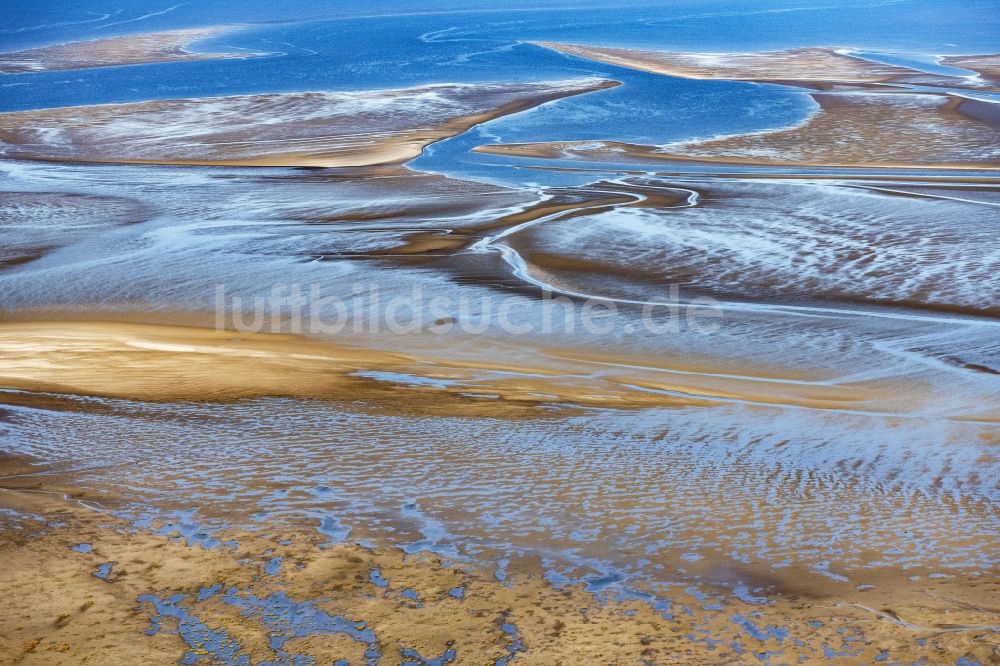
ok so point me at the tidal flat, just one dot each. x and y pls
(511, 335)
(141, 49)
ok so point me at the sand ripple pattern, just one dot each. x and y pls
(792, 241)
(594, 494)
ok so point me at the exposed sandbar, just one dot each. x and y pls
(849, 130)
(987, 66)
(166, 46)
(857, 126)
(110, 359)
(803, 66)
(320, 129)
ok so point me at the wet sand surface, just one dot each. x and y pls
(987, 66)
(35, 223)
(166, 46)
(804, 66)
(115, 360)
(793, 488)
(288, 129)
(849, 129)
(854, 125)
(801, 468)
(87, 585)
(789, 246)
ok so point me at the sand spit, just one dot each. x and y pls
(987, 66)
(860, 122)
(319, 129)
(166, 46)
(84, 586)
(850, 130)
(820, 67)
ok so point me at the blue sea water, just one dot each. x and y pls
(922, 63)
(391, 43)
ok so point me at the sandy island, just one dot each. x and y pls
(898, 131)
(165, 46)
(803, 66)
(855, 125)
(319, 129)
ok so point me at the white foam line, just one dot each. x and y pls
(776, 405)
(928, 196)
(141, 18)
(487, 243)
(976, 96)
(816, 311)
(721, 375)
(101, 17)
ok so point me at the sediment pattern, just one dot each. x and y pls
(288, 129)
(166, 46)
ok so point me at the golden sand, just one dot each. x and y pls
(799, 66)
(114, 359)
(58, 612)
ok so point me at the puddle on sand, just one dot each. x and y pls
(104, 571)
(376, 578)
(283, 617)
(405, 379)
(515, 646)
(623, 506)
(413, 658)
